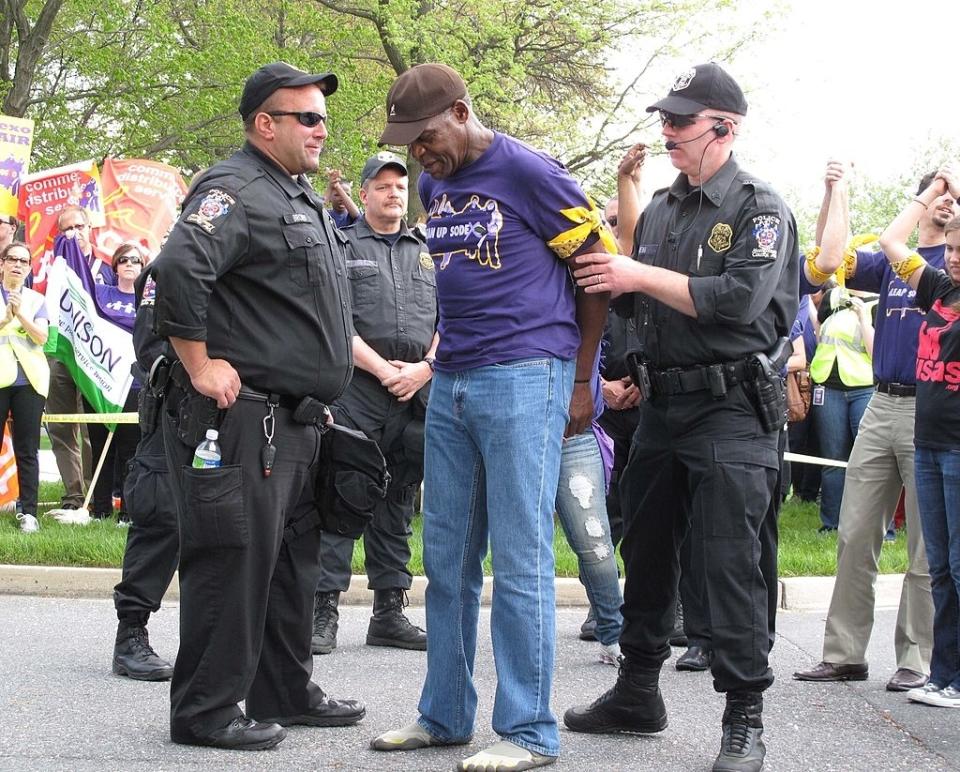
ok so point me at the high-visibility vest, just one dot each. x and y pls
(841, 341)
(17, 346)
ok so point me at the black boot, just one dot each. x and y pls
(133, 656)
(326, 619)
(389, 626)
(588, 630)
(742, 749)
(633, 705)
(679, 636)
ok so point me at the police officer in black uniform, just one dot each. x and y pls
(252, 294)
(394, 291)
(153, 541)
(715, 292)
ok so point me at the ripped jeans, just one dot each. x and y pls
(581, 505)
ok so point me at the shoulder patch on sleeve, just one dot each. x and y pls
(149, 292)
(766, 234)
(214, 206)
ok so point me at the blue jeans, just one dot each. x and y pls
(837, 421)
(492, 461)
(581, 505)
(938, 494)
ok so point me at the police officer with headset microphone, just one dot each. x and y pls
(713, 290)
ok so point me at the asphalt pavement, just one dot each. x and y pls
(62, 709)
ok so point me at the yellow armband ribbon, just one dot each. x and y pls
(850, 254)
(588, 221)
(908, 266)
(816, 275)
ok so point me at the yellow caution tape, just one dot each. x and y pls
(90, 418)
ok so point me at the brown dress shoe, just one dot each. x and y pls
(830, 671)
(906, 679)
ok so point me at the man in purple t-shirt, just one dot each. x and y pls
(881, 463)
(517, 352)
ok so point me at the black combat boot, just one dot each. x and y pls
(742, 749)
(633, 705)
(133, 656)
(679, 636)
(389, 626)
(325, 622)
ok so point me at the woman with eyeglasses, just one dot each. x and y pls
(118, 304)
(24, 373)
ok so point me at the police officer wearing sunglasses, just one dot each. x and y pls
(712, 287)
(252, 294)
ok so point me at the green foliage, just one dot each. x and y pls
(162, 79)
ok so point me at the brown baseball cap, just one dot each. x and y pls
(277, 75)
(418, 95)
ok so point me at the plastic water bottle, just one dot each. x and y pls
(208, 451)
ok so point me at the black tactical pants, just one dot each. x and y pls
(246, 581)
(153, 541)
(692, 458)
(693, 590)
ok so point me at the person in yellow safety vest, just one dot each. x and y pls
(24, 374)
(842, 372)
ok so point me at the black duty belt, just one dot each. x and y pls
(678, 380)
(179, 375)
(270, 398)
(897, 389)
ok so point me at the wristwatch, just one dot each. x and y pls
(430, 361)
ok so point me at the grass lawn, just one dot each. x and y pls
(803, 552)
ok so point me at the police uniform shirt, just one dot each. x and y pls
(739, 248)
(394, 292)
(255, 267)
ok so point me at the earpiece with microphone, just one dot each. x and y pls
(720, 129)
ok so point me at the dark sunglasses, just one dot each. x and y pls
(21, 260)
(307, 119)
(6, 221)
(678, 121)
(612, 221)
(131, 259)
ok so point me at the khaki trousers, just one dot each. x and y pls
(880, 462)
(69, 442)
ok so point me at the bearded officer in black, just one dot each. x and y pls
(252, 294)
(714, 284)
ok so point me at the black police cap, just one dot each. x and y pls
(706, 86)
(375, 163)
(278, 75)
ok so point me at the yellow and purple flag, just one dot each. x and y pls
(16, 139)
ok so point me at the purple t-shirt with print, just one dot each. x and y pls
(503, 294)
(897, 326)
(117, 306)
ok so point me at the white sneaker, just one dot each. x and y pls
(28, 523)
(70, 516)
(921, 693)
(948, 697)
(610, 655)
